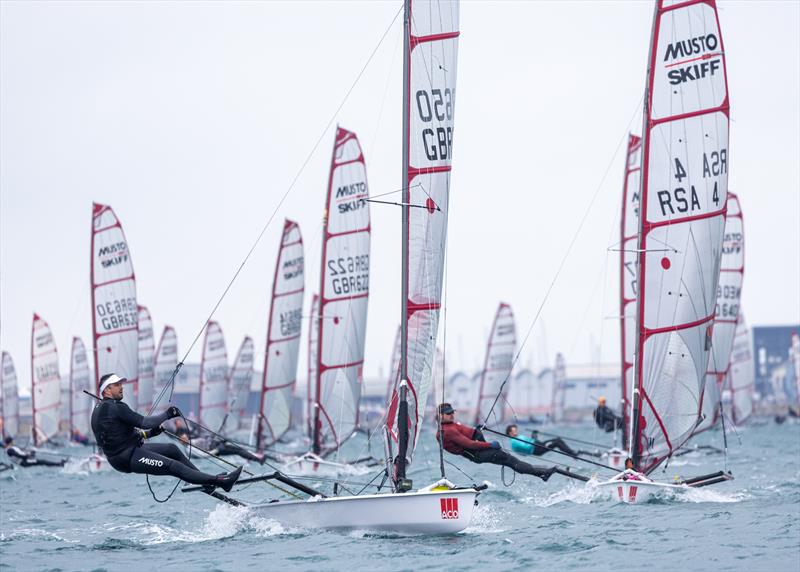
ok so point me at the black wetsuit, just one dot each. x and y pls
(28, 459)
(115, 428)
(606, 419)
(500, 457)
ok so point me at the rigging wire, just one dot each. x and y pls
(565, 257)
(300, 171)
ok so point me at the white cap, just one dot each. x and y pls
(113, 378)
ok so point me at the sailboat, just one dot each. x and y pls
(342, 314)
(431, 40)
(497, 366)
(741, 373)
(729, 293)
(283, 339)
(45, 383)
(115, 313)
(794, 357)
(213, 379)
(145, 363)
(629, 231)
(240, 377)
(9, 397)
(681, 226)
(166, 359)
(81, 407)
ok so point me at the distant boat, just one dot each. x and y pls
(45, 383)
(311, 379)
(497, 366)
(9, 397)
(213, 379)
(147, 348)
(165, 360)
(729, 294)
(115, 312)
(741, 373)
(79, 381)
(282, 349)
(240, 377)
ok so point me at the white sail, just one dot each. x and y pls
(146, 356)
(313, 350)
(559, 388)
(682, 220)
(213, 379)
(429, 84)
(9, 398)
(115, 312)
(497, 367)
(629, 240)
(283, 338)
(344, 295)
(80, 380)
(240, 378)
(45, 382)
(741, 374)
(394, 367)
(166, 359)
(65, 406)
(794, 357)
(729, 291)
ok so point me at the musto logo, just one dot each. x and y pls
(151, 462)
(449, 508)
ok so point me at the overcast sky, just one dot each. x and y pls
(192, 118)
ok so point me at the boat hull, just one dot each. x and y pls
(420, 512)
(631, 487)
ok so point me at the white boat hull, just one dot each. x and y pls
(631, 487)
(427, 511)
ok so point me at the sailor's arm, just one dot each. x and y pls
(458, 437)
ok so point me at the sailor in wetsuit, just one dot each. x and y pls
(120, 433)
(606, 419)
(534, 446)
(461, 440)
(27, 458)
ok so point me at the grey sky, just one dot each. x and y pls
(191, 119)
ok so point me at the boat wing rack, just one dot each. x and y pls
(277, 476)
(710, 479)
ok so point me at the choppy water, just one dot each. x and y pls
(65, 520)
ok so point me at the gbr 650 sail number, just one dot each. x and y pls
(438, 104)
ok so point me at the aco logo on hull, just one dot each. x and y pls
(449, 508)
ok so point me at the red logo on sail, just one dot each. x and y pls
(449, 508)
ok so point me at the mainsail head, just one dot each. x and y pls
(682, 219)
(344, 294)
(45, 382)
(115, 312)
(283, 337)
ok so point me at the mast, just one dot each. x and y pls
(430, 47)
(344, 296)
(283, 336)
(682, 216)
(629, 234)
(114, 308)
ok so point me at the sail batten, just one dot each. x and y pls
(283, 338)
(344, 294)
(683, 201)
(114, 308)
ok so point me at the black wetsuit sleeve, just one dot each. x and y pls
(130, 417)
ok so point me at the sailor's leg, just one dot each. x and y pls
(146, 461)
(500, 457)
(170, 451)
(558, 443)
(232, 449)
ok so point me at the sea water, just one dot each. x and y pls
(66, 519)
